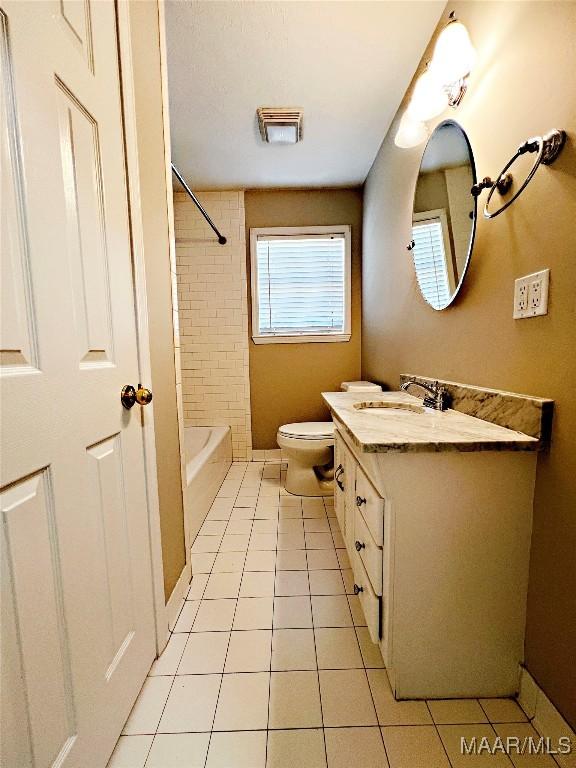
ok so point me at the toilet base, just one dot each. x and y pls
(303, 480)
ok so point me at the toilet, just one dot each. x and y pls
(309, 446)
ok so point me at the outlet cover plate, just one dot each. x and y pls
(531, 295)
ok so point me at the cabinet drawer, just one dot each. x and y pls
(368, 600)
(370, 554)
(371, 505)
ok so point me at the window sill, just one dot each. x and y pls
(302, 339)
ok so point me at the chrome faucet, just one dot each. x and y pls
(436, 395)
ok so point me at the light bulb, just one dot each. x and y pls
(428, 99)
(282, 134)
(410, 132)
(454, 54)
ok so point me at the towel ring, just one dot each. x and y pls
(547, 147)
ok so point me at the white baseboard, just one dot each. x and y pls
(545, 718)
(174, 604)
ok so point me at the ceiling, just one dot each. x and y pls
(347, 64)
(446, 148)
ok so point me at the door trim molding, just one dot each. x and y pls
(178, 596)
(141, 304)
(172, 254)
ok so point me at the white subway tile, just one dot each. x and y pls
(213, 315)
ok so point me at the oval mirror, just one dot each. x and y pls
(444, 214)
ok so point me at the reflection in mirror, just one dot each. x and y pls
(444, 215)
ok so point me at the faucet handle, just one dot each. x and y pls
(442, 396)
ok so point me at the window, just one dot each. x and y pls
(433, 256)
(300, 284)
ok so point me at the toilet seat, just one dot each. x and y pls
(308, 430)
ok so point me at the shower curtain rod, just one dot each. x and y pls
(197, 203)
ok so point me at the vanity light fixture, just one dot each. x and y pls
(411, 132)
(453, 59)
(442, 84)
(429, 97)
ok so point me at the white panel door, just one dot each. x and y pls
(77, 611)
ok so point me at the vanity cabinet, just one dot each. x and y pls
(439, 544)
(371, 505)
(369, 551)
(360, 513)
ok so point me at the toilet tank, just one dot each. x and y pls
(360, 386)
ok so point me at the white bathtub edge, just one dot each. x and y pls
(205, 474)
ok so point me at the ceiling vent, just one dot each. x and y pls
(280, 125)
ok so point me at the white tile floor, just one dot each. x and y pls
(270, 664)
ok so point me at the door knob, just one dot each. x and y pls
(129, 396)
(358, 589)
(143, 395)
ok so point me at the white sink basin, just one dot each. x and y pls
(378, 405)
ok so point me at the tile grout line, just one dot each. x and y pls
(316, 651)
(438, 733)
(316, 727)
(272, 630)
(172, 633)
(488, 723)
(222, 677)
(148, 751)
(170, 689)
(362, 655)
(229, 638)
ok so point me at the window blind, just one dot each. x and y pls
(301, 284)
(430, 261)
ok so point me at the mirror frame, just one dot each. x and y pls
(458, 288)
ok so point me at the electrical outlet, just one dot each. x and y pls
(520, 297)
(531, 295)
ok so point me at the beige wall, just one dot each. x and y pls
(213, 315)
(458, 184)
(148, 98)
(524, 84)
(431, 193)
(286, 379)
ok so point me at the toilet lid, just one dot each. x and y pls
(360, 386)
(312, 430)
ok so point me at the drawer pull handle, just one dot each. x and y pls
(360, 501)
(340, 484)
(337, 475)
(359, 545)
(358, 589)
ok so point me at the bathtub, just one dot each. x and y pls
(207, 458)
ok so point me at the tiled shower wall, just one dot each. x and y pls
(213, 315)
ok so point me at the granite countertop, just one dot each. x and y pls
(413, 431)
